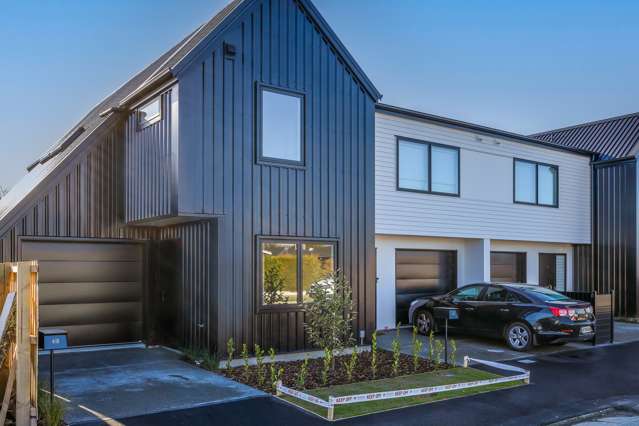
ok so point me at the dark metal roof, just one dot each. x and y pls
(451, 122)
(614, 137)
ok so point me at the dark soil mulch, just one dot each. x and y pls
(337, 376)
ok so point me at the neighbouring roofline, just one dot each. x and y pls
(586, 124)
(458, 124)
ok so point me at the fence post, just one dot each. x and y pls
(466, 358)
(331, 409)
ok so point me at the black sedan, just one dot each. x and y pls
(522, 314)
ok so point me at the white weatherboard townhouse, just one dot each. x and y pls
(457, 203)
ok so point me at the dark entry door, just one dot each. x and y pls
(552, 271)
(91, 288)
(507, 267)
(420, 273)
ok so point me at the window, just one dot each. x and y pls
(427, 167)
(495, 294)
(281, 117)
(468, 293)
(149, 113)
(289, 267)
(515, 298)
(546, 295)
(536, 183)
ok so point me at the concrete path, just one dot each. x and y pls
(132, 382)
(497, 350)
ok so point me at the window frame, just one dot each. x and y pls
(141, 125)
(259, 139)
(399, 139)
(536, 164)
(297, 306)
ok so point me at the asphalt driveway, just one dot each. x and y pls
(136, 381)
(497, 350)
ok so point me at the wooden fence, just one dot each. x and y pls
(19, 332)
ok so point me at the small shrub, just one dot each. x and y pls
(50, 412)
(374, 354)
(328, 362)
(350, 365)
(431, 346)
(278, 377)
(274, 378)
(439, 351)
(230, 349)
(396, 348)
(330, 313)
(245, 358)
(259, 362)
(301, 376)
(201, 358)
(452, 360)
(416, 349)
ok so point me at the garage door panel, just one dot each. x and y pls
(507, 267)
(417, 257)
(421, 285)
(87, 251)
(410, 271)
(91, 288)
(89, 313)
(97, 334)
(86, 271)
(90, 292)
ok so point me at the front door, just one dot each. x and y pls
(552, 271)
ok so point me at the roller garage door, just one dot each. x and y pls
(421, 273)
(91, 288)
(507, 267)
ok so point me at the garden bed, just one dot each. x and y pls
(420, 380)
(290, 371)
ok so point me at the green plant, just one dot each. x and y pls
(245, 358)
(431, 346)
(330, 314)
(272, 367)
(350, 365)
(452, 359)
(396, 349)
(259, 362)
(416, 349)
(278, 377)
(50, 411)
(374, 354)
(230, 349)
(439, 351)
(201, 357)
(328, 362)
(274, 281)
(301, 376)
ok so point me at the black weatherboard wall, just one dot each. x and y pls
(277, 43)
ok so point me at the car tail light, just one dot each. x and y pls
(559, 312)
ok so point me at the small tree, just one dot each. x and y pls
(330, 314)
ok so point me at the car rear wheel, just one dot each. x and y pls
(519, 337)
(424, 322)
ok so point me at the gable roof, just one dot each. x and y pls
(159, 71)
(614, 137)
(477, 128)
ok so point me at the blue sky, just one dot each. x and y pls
(519, 66)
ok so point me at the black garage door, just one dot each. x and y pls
(422, 273)
(507, 267)
(91, 289)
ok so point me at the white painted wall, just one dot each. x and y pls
(473, 262)
(485, 208)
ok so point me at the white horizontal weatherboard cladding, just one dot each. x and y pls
(485, 207)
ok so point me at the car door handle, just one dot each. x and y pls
(504, 310)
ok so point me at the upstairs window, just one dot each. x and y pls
(427, 167)
(149, 113)
(536, 183)
(280, 124)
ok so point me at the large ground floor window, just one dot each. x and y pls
(288, 267)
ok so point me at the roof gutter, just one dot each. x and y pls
(458, 124)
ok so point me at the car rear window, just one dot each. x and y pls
(546, 294)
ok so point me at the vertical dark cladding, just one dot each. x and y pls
(332, 196)
(615, 232)
(149, 176)
(582, 267)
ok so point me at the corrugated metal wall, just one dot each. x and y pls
(149, 177)
(83, 201)
(582, 268)
(615, 232)
(331, 197)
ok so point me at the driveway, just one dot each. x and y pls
(135, 381)
(497, 350)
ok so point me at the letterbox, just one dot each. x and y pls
(52, 338)
(446, 313)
